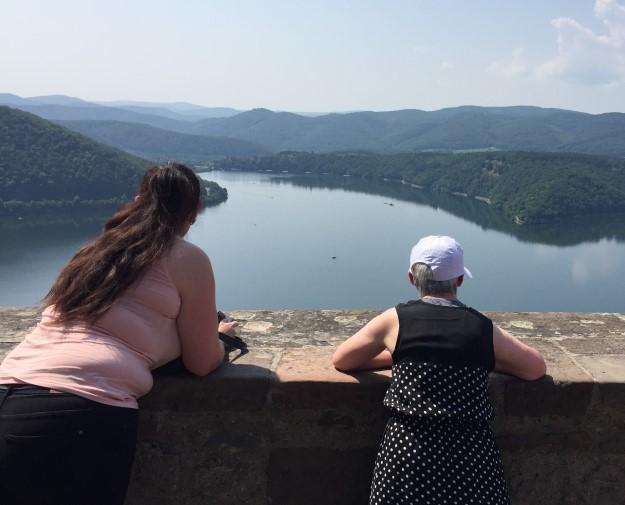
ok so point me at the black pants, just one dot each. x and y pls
(61, 449)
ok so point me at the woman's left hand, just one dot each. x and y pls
(229, 328)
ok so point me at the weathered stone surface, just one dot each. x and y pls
(604, 368)
(325, 386)
(280, 426)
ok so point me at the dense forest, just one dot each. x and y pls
(577, 230)
(44, 167)
(213, 193)
(528, 188)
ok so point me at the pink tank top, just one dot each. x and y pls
(110, 361)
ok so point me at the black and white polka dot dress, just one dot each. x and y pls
(438, 447)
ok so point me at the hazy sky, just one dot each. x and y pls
(319, 55)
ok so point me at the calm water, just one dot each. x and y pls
(281, 242)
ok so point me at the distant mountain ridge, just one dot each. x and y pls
(180, 111)
(519, 128)
(176, 110)
(459, 128)
(158, 144)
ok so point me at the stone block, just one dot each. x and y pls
(243, 385)
(565, 391)
(319, 476)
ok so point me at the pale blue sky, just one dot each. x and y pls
(319, 55)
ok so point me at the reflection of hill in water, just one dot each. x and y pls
(564, 233)
(47, 231)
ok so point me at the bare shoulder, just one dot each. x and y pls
(385, 322)
(381, 327)
(182, 251)
(186, 260)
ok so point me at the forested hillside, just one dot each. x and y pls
(458, 128)
(44, 166)
(526, 187)
(158, 144)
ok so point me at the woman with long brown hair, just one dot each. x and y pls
(131, 300)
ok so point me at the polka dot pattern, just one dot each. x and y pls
(438, 447)
(439, 392)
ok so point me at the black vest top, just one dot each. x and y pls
(441, 363)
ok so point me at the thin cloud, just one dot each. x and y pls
(596, 262)
(446, 65)
(515, 66)
(586, 57)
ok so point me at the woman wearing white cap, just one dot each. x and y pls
(438, 447)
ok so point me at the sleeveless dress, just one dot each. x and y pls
(438, 447)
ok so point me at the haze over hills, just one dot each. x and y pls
(176, 110)
(61, 107)
(523, 128)
(158, 144)
(94, 112)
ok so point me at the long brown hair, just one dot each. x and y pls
(132, 239)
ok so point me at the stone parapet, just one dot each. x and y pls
(280, 426)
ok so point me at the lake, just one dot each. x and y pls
(320, 242)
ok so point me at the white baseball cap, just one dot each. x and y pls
(442, 254)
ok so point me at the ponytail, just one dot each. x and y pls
(133, 239)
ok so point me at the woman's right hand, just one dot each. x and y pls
(229, 328)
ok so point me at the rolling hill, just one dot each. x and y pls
(175, 116)
(45, 167)
(158, 144)
(518, 128)
(459, 128)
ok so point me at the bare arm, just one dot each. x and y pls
(371, 346)
(192, 273)
(516, 358)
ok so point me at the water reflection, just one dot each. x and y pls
(564, 233)
(33, 251)
(299, 246)
(596, 263)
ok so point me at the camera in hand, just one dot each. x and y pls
(230, 343)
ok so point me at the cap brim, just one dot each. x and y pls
(468, 272)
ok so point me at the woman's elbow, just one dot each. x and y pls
(339, 362)
(536, 369)
(336, 362)
(201, 369)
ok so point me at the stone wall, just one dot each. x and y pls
(280, 426)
